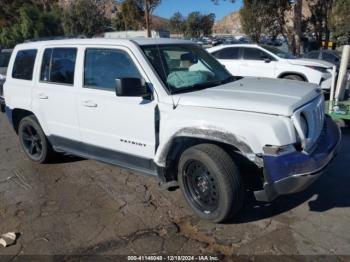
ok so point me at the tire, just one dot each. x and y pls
(294, 77)
(210, 182)
(33, 141)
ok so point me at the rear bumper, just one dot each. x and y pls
(293, 172)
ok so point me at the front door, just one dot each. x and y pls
(115, 129)
(257, 63)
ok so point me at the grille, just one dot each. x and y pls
(314, 113)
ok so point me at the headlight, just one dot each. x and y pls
(304, 126)
(319, 68)
(278, 150)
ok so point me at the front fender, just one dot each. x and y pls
(248, 132)
(208, 133)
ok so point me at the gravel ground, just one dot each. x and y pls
(80, 206)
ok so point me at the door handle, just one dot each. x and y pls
(42, 96)
(89, 104)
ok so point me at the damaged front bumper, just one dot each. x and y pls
(294, 171)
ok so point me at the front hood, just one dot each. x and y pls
(260, 95)
(310, 62)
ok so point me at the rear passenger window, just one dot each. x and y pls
(103, 66)
(58, 65)
(227, 53)
(24, 64)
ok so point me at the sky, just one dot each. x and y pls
(168, 7)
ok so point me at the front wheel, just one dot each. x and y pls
(210, 182)
(294, 77)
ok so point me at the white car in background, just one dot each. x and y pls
(268, 61)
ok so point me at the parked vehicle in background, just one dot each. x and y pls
(147, 105)
(135, 34)
(331, 56)
(230, 41)
(268, 61)
(5, 55)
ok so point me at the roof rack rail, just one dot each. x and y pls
(53, 38)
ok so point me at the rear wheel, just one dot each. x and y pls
(210, 182)
(294, 77)
(33, 140)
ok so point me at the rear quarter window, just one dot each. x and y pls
(24, 64)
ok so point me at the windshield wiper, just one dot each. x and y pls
(197, 87)
(230, 79)
(205, 85)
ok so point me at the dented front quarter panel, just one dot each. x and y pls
(247, 131)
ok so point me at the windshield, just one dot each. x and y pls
(4, 59)
(185, 68)
(279, 52)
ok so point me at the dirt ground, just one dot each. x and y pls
(85, 207)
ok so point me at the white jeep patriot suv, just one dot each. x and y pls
(167, 108)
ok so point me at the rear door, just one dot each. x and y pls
(54, 96)
(257, 63)
(230, 57)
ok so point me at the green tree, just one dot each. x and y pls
(52, 22)
(9, 12)
(118, 22)
(177, 23)
(207, 22)
(10, 36)
(340, 19)
(274, 20)
(31, 22)
(84, 17)
(252, 17)
(149, 6)
(132, 14)
(193, 24)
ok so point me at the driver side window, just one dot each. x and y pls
(255, 54)
(103, 66)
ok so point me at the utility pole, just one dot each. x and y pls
(298, 16)
(147, 17)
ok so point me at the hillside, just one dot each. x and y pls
(230, 24)
(160, 23)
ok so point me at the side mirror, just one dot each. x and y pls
(267, 59)
(133, 87)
